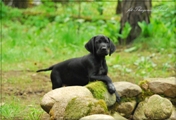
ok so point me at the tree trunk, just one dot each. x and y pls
(17, 3)
(61, 1)
(119, 7)
(134, 11)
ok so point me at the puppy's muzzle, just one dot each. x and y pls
(103, 48)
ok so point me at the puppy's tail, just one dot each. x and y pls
(46, 69)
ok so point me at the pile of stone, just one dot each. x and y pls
(152, 99)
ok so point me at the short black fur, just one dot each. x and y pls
(79, 71)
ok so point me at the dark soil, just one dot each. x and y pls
(24, 84)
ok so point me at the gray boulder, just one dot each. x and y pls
(117, 116)
(158, 108)
(63, 96)
(98, 117)
(164, 86)
(125, 108)
(45, 116)
(127, 89)
(173, 115)
(57, 111)
(139, 111)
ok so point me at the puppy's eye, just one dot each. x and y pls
(106, 41)
(97, 42)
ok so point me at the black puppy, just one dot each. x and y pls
(79, 71)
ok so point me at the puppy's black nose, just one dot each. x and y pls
(103, 48)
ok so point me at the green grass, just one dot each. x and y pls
(15, 109)
(30, 42)
(11, 110)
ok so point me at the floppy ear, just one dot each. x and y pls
(112, 47)
(90, 45)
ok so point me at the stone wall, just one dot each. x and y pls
(151, 99)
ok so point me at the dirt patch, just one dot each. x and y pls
(24, 84)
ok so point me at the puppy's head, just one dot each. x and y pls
(100, 45)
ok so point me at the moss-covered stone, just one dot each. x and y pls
(158, 108)
(62, 96)
(146, 92)
(97, 88)
(80, 107)
(127, 99)
(99, 91)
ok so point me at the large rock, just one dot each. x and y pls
(57, 111)
(127, 89)
(99, 91)
(139, 111)
(117, 116)
(80, 107)
(173, 115)
(154, 108)
(164, 86)
(62, 96)
(98, 117)
(173, 100)
(158, 108)
(45, 116)
(125, 108)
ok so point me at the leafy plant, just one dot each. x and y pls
(37, 21)
(126, 30)
(8, 12)
(112, 29)
(144, 65)
(147, 29)
(100, 8)
(3, 10)
(165, 12)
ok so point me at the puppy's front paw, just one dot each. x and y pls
(118, 99)
(111, 88)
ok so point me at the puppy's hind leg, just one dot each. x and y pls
(55, 79)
